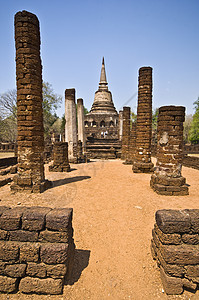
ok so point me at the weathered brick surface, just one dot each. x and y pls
(8, 284)
(142, 162)
(175, 246)
(35, 218)
(59, 219)
(167, 178)
(29, 252)
(51, 286)
(54, 253)
(36, 249)
(60, 158)
(11, 218)
(30, 177)
(9, 251)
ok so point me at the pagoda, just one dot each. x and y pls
(101, 123)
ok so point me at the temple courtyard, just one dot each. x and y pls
(113, 219)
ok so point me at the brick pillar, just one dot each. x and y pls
(143, 162)
(167, 178)
(80, 120)
(71, 124)
(29, 105)
(120, 124)
(60, 158)
(125, 132)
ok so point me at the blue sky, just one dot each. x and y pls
(75, 35)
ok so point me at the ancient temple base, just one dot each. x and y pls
(170, 186)
(142, 167)
(25, 185)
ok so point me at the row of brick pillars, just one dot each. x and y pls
(136, 140)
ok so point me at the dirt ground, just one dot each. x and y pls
(113, 219)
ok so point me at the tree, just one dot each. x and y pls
(194, 131)
(8, 111)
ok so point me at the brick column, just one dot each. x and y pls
(143, 162)
(167, 178)
(60, 158)
(125, 132)
(132, 145)
(80, 121)
(29, 105)
(71, 124)
(120, 124)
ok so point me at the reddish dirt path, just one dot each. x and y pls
(113, 219)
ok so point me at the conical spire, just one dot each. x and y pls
(103, 83)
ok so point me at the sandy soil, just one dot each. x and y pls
(113, 219)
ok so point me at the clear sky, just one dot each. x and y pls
(130, 34)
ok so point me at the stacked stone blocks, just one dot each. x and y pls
(60, 158)
(167, 178)
(29, 105)
(36, 249)
(174, 246)
(142, 163)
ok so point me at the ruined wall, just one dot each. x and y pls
(191, 162)
(175, 241)
(125, 132)
(142, 163)
(36, 249)
(29, 105)
(167, 178)
(60, 158)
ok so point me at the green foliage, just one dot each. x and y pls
(133, 117)
(8, 112)
(155, 119)
(194, 131)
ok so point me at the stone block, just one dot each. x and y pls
(34, 218)
(167, 238)
(23, 236)
(50, 286)
(171, 285)
(36, 270)
(8, 284)
(15, 270)
(173, 221)
(29, 252)
(3, 234)
(59, 219)
(11, 218)
(55, 236)
(56, 271)
(192, 239)
(9, 251)
(54, 253)
(194, 216)
(180, 254)
(189, 284)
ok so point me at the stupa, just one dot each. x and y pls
(101, 123)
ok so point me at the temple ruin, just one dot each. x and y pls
(167, 178)
(101, 123)
(142, 163)
(30, 139)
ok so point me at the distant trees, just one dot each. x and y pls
(8, 113)
(194, 130)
